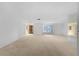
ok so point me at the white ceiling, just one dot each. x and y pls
(29, 11)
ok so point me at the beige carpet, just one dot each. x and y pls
(46, 45)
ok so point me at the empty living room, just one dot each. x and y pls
(38, 28)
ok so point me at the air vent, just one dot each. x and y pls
(38, 19)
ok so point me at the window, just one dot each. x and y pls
(47, 28)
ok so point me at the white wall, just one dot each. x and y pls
(60, 29)
(11, 26)
(38, 28)
(10, 31)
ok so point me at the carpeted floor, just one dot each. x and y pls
(45, 45)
